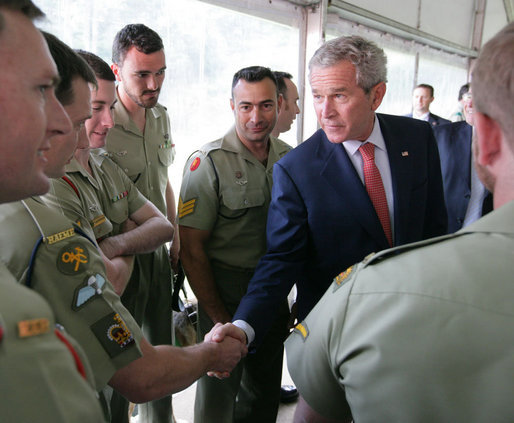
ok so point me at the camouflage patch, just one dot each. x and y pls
(73, 259)
(302, 329)
(186, 208)
(113, 334)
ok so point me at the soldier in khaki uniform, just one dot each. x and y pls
(44, 375)
(55, 258)
(141, 144)
(223, 207)
(423, 332)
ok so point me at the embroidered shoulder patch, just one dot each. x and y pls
(97, 221)
(90, 289)
(302, 329)
(195, 164)
(339, 279)
(113, 334)
(186, 208)
(73, 259)
(33, 327)
(60, 236)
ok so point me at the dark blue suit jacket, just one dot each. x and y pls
(454, 143)
(321, 220)
(434, 120)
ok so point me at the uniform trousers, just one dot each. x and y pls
(252, 392)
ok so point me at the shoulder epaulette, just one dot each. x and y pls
(395, 251)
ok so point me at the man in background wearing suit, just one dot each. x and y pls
(466, 197)
(422, 97)
(332, 203)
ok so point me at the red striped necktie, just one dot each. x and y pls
(375, 188)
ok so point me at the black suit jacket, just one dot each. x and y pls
(321, 220)
(454, 143)
(434, 120)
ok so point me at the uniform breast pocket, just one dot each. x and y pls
(237, 201)
(118, 211)
(133, 164)
(166, 154)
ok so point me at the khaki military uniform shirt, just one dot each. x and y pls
(45, 253)
(416, 334)
(227, 191)
(39, 379)
(143, 157)
(103, 200)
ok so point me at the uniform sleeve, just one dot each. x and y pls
(312, 355)
(199, 202)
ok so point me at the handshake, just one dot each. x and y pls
(232, 347)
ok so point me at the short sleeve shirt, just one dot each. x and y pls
(227, 191)
(144, 157)
(103, 200)
(33, 358)
(46, 253)
(416, 334)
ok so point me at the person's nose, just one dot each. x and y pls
(57, 120)
(107, 119)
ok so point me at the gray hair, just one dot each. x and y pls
(492, 82)
(369, 60)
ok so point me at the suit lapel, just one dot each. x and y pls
(339, 173)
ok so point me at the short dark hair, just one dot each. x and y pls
(144, 39)
(253, 74)
(463, 90)
(427, 87)
(281, 84)
(100, 67)
(70, 65)
(26, 7)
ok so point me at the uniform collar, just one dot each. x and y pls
(231, 142)
(75, 167)
(122, 117)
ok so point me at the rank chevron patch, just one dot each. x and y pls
(186, 208)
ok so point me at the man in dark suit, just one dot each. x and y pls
(422, 97)
(321, 217)
(466, 197)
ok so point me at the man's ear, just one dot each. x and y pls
(280, 101)
(488, 138)
(232, 105)
(117, 71)
(377, 94)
